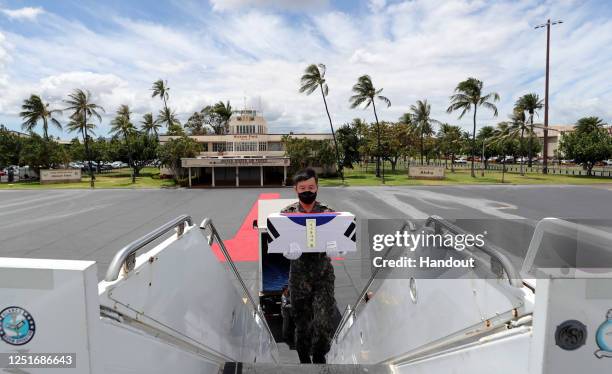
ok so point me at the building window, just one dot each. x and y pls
(275, 146)
(229, 146)
(218, 147)
(246, 146)
(263, 146)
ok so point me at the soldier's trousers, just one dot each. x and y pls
(313, 306)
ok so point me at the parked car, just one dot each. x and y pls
(461, 160)
(608, 162)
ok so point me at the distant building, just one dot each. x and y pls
(246, 156)
(554, 135)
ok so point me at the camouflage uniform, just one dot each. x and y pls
(311, 289)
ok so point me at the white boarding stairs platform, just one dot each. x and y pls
(175, 308)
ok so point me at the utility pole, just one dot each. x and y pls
(547, 25)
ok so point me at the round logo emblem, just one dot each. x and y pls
(16, 326)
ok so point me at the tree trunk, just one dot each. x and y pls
(474, 142)
(377, 140)
(530, 138)
(333, 135)
(522, 152)
(452, 162)
(422, 146)
(86, 140)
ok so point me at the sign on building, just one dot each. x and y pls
(426, 172)
(60, 176)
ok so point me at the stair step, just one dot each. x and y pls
(261, 368)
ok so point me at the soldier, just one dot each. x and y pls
(311, 282)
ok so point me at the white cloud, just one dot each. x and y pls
(27, 13)
(412, 49)
(292, 5)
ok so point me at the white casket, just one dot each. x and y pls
(295, 233)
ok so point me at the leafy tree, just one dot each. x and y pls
(449, 138)
(530, 103)
(395, 141)
(144, 149)
(589, 143)
(350, 140)
(195, 124)
(365, 92)
(35, 110)
(10, 147)
(149, 125)
(79, 102)
(171, 153)
(308, 152)
(40, 153)
(216, 121)
(422, 122)
(469, 96)
(312, 79)
(100, 152)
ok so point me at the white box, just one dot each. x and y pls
(295, 233)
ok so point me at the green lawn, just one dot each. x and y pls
(120, 178)
(358, 177)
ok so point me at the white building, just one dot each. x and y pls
(247, 156)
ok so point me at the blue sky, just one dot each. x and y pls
(254, 51)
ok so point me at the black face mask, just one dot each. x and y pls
(307, 197)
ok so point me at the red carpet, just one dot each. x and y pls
(244, 246)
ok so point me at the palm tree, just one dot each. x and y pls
(313, 78)
(468, 95)
(485, 134)
(366, 93)
(35, 110)
(168, 116)
(422, 121)
(79, 102)
(122, 126)
(530, 103)
(517, 129)
(149, 125)
(224, 111)
(160, 88)
(587, 125)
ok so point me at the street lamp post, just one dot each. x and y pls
(547, 25)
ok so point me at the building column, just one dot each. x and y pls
(189, 177)
(261, 175)
(237, 177)
(213, 176)
(284, 175)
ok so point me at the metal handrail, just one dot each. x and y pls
(112, 274)
(514, 277)
(364, 291)
(214, 234)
